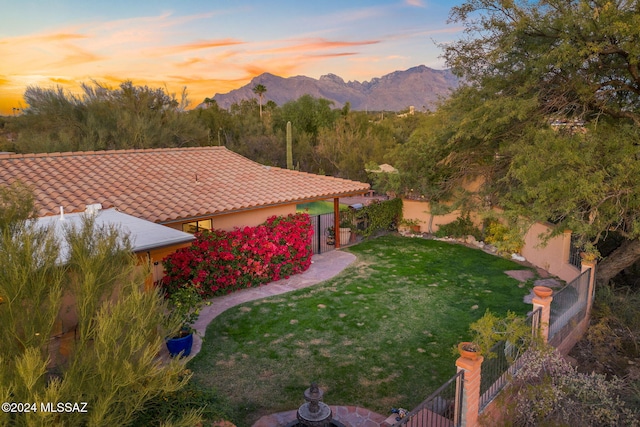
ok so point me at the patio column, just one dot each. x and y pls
(470, 406)
(336, 221)
(543, 300)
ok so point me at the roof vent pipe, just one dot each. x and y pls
(61, 213)
(93, 209)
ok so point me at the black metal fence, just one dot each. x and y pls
(574, 252)
(321, 224)
(441, 409)
(497, 369)
(568, 308)
(323, 234)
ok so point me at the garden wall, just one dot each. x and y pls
(551, 256)
(421, 211)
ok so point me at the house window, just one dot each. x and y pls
(194, 227)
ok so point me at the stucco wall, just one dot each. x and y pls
(251, 218)
(246, 218)
(552, 256)
(421, 211)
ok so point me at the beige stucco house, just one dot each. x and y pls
(186, 189)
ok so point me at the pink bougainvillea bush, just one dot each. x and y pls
(219, 262)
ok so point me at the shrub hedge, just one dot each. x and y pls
(219, 262)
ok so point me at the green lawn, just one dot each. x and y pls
(379, 335)
(318, 208)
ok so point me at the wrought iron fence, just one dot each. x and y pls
(504, 362)
(574, 252)
(321, 240)
(324, 234)
(568, 307)
(441, 409)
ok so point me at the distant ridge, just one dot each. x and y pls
(419, 86)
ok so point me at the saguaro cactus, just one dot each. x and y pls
(289, 147)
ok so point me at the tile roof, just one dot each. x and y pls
(164, 185)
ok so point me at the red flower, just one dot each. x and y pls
(249, 256)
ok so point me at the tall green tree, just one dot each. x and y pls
(111, 361)
(260, 90)
(560, 89)
(350, 144)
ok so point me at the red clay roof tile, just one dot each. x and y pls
(164, 185)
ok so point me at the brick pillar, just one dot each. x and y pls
(470, 407)
(543, 299)
(586, 265)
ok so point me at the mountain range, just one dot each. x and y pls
(420, 87)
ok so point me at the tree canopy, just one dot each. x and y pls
(104, 118)
(549, 117)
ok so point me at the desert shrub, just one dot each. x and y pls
(461, 227)
(547, 390)
(209, 404)
(507, 240)
(613, 337)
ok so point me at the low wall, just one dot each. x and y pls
(421, 211)
(552, 255)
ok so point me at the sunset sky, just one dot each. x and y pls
(212, 46)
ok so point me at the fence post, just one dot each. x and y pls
(543, 300)
(470, 395)
(336, 223)
(590, 265)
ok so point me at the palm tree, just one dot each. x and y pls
(259, 90)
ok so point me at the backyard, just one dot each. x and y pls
(378, 335)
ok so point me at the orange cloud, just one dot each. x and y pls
(333, 55)
(207, 44)
(319, 44)
(62, 81)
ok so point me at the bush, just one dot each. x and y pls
(547, 390)
(170, 406)
(461, 227)
(379, 216)
(223, 261)
(507, 240)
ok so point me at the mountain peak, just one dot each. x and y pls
(332, 78)
(418, 86)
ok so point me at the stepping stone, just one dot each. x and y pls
(520, 275)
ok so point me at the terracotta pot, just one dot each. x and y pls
(542, 291)
(468, 350)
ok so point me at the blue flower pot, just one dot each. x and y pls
(180, 345)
